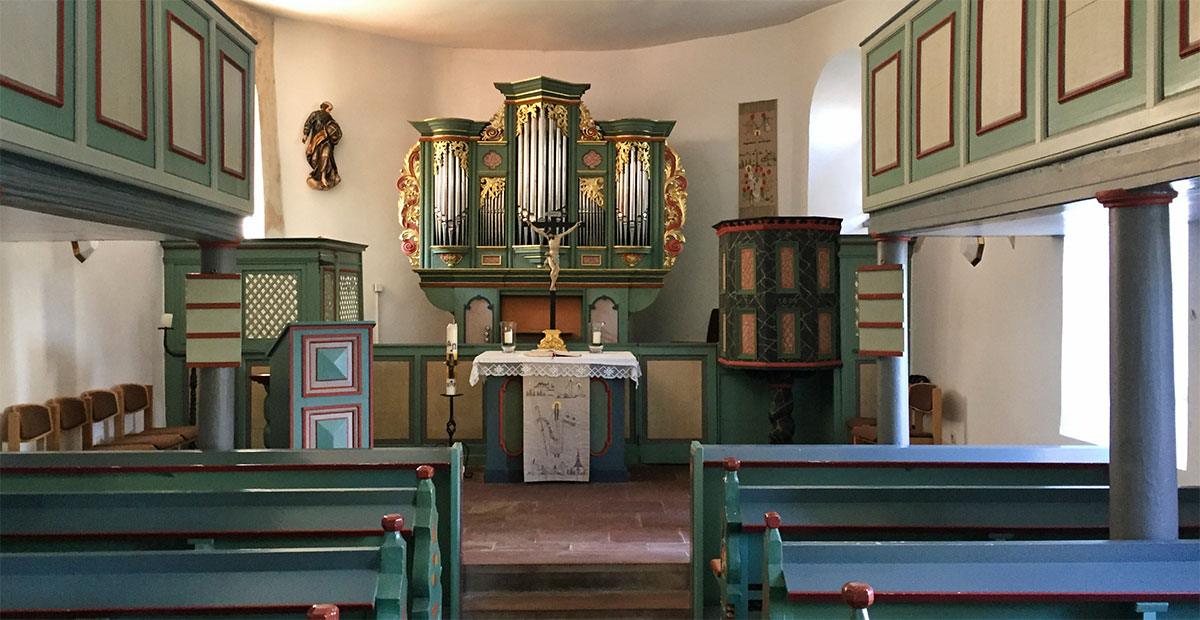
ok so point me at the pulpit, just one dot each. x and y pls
(559, 418)
(320, 389)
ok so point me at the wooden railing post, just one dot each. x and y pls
(427, 560)
(736, 605)
(859, 597)
(391, 593)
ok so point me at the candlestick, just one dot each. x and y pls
(451, 387)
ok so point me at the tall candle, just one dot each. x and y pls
(452, 340)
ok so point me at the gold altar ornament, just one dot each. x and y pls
(552, 341)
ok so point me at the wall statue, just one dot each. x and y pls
(321, 134)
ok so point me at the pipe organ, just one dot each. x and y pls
(470, 190)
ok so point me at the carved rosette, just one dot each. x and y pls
(631, 259)
(674, 206)
(556, 111)
(494, 132)
(588, 130)
(409, 185)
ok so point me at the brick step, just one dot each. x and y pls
(572, 578)
(595, 603)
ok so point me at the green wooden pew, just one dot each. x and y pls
(977, 580)
(363, 581)
(843, 513)
(763, 465)
(233, 500)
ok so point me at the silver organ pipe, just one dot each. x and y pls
(542, 169)
(633, 195)
(450, 194)
(591, 211)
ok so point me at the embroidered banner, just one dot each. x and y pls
(757, 159)
(557, 433)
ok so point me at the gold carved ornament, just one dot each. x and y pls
(588, 131)
(494, 132)
(409, 185)
(627, 149)
(674, 206)
(592, 188)
(454, 148)
(490, 187)
(556, 111)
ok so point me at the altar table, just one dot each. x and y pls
(504, 416)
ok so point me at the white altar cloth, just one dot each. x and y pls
(607, 365)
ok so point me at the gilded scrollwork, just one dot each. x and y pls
(593, 189)
(556, 111)
(588, 130)
(490, 187)
(627, 149)
(455, 148)
(494, 132)
(674, 206)
(409, 185)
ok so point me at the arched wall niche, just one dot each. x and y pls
(835, 143)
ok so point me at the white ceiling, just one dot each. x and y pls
(546, 24)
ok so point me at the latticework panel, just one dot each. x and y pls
(328, 296)
(349, 294)
(272, 300)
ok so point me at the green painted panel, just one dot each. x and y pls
(53, 113)
(883, 175)
(191, 24)
(1013, 130)
(931, 25)
(132, 141)
(234, 67)
(1070, 109)
(1180, 47)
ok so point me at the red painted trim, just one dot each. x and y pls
(888, 238)
(1119, 198)
(904, 465)
(633, 138)
(608, 439)
(872, 296)
(1002, 597)
(233, 305)
(776, 226)
(541, 285)
(881, 353)
(174, 148)
(198, 534)
(746, 364)
(880, 325)
(448, 138)
(981, 129)
(213, 276)
(213, 364)
(142, 133)
(194, 610)
(1100, 530)
(888, 267)
(214, 335)
(356, 386)
(211, 469)
(241, 174)
(370, 386)
(226, 244)
(950, 88)
(875, 169)
(1187, 47)
(353, 409)
(56, 98)
(1125, 72)
(503, 445)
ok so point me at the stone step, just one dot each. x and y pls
(595, 603)
(533, 578)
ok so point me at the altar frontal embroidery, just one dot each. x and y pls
(557, 429)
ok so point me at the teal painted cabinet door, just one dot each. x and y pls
(37, 65)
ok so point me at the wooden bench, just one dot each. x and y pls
(845, 513)
(227, 500)
(363, 581)
(945, 465)
(984, 580)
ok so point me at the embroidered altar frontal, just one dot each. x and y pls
(779, 292)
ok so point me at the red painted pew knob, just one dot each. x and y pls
(323, 611)
(424, 472)
(732, 464)
(772, 519)
(858, 595)
(393, 522)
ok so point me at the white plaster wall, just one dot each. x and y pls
(378, 84)
(1191, 476)
(990, 336)
(835, 143)
(66, 326)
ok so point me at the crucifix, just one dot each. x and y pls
(547, 229)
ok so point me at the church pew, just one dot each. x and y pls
(293, 473)
(978, 580)
(363, 581)
(844, 513)
(867, 465)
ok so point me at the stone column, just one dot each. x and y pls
(1143, 496)
(892, 409)
(218, 386)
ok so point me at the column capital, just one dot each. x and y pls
(1161, 194)
(886, 238)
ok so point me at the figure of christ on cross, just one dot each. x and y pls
(553, 241)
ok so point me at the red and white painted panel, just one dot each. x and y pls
(1000, 83)
(1094, 45)
(31, 49)
(885, 115)
(879, 305)
(186, 109)
(214, 319)
(122, 51)
(935, 86)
